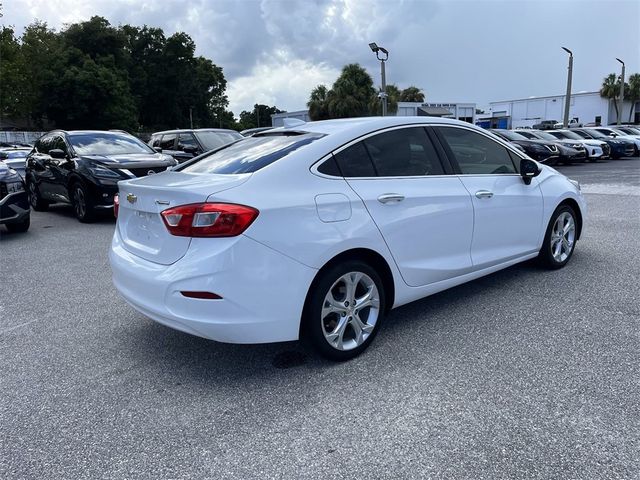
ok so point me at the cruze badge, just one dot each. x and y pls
(131, 198)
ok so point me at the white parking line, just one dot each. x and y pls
(16, 326)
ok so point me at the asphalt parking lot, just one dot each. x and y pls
(523, 374)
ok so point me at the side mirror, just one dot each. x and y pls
(528, 170)
(57, 153)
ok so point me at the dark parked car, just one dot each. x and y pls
(83, 168)
(15, 157)
(540, 150)
(570, 151)
(546, 125)
(186, 144)
(14, 205)
(620, 147)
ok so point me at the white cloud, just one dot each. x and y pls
(280, 81)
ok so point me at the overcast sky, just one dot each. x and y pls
(276, 51)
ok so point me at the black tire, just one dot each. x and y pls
(552, 255)
(19, 227)
(316, 328)
(35, 199)
(82, 203)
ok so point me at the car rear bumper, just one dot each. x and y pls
(263, 291)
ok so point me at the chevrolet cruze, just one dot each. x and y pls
(318, 229)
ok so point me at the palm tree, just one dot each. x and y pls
(318, 108)
(351, 93)
(393, 94)
(411, 94)
(633, 93)
(610, 89)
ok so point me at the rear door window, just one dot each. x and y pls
(250, 154)
(187, 141)
(168, 141)
(405, 152)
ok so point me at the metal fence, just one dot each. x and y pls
(20, 137)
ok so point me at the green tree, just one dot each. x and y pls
(318, 103)
(351, 93)
(393, 94)
(10, 73)
(411, 94)
(633, 92)
(611, 89)
(40, 48)
(260, 116)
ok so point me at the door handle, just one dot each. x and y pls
(484, 194)
(390, 197)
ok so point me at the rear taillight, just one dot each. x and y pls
(208, 219)
(116, 205)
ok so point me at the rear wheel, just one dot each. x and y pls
(35, 200)
(19, 227)
(560, 238)
(82, 204)
(344, 310)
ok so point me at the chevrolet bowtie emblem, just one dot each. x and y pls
(131, 198)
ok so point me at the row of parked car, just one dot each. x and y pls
(575, 145)
(83, 168)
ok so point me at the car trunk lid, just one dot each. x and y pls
(142, 200)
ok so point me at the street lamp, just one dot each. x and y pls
(621, 91)
(383, 89)
(567, 100)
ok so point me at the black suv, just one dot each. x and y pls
(186, 144)
(83, 168)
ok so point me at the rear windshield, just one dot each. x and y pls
(250, 154)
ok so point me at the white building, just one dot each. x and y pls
(461, 111)
(586, 107)
(277, 119)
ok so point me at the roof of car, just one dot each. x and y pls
(364, 124)
(184, 130)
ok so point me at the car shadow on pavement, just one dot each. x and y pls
(64, 210)
(187, 358)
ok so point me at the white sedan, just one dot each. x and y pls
(318, 229)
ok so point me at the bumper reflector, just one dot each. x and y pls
(201, 295)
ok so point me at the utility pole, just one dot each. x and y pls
(567, 100)
(191, 117)
(621, 92)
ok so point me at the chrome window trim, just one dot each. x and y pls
(314, 167)
(488, 135)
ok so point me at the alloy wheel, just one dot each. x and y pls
(563, 237)
(350, 311)
(33, 195)
(79, 202)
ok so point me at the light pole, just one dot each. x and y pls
(567, 100)
(383, 89)
(621, 91)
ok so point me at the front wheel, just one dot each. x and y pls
(344, 310)
(35, 200)
(82, 205)
(560, 238)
